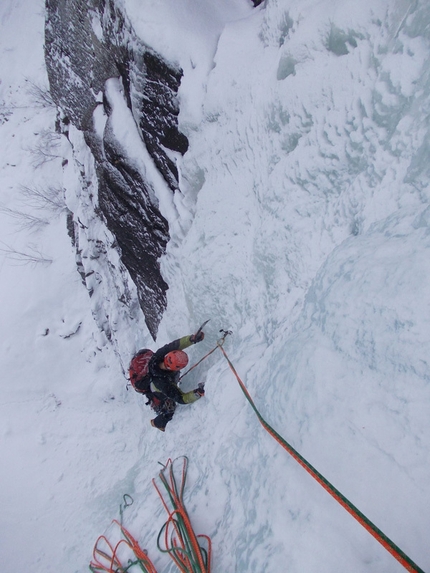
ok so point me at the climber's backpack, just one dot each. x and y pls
(138, 370)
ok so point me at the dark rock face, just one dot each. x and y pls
(86, 43)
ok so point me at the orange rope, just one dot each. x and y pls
(138, 551)
(219, 343)
(112, 563)
(197, 363)
(389, 545)
(181, 543)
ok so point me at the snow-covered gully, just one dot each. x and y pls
(261, 164)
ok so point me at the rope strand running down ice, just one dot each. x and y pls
(389, 545)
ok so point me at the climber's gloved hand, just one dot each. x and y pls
(200, 390)
(197, 338)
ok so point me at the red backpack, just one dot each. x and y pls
(138, 370)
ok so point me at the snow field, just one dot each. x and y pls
(303, 226)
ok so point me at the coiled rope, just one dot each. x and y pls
(109, 557)
(389, 545)
(191, 553)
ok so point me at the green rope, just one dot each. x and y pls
(176, 520)
(389, 545)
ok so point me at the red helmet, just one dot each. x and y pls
(175, 360)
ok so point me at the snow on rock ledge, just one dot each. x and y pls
(84, 47)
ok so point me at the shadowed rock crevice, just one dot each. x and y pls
(88, 42)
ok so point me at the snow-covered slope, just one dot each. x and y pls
(302, 225)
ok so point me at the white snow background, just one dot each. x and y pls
(303, 226)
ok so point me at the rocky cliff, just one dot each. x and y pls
(87, 42)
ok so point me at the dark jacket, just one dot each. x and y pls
(164, 383)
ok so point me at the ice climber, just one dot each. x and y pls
(160, 378)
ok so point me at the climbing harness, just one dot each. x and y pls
(389, 545)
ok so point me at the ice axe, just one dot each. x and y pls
(219, 343)
(196, 335)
